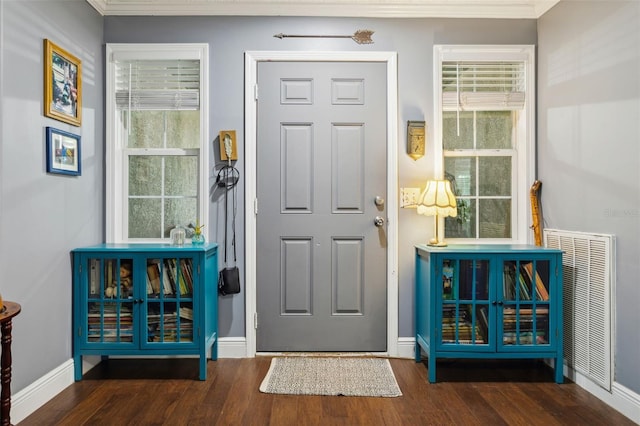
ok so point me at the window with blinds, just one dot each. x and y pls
(158, 85)
(483, 86)
(156, 140)
(486, 144)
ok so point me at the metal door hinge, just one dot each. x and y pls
(255, 206)
(255, 92)
(255, 320)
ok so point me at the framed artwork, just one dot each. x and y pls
(62, 84)
(63, 152)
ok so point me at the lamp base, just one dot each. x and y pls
(435, 243)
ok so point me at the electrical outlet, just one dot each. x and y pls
(409, 197)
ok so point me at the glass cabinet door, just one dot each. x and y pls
(169, 300)
(524, 317)
(110, 300)
(465, 302)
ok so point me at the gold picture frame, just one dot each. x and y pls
(62, 84)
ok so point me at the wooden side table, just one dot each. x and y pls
(9, 310)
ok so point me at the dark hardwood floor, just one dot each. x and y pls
(167, 392)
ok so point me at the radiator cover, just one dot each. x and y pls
(588, 264)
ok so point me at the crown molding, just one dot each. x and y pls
(502, 9)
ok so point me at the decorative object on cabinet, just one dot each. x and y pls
(62, 84)
(145, 300)
(197, 237)
(488, 301)
(63, 152)
(416, 139)
(437, 200)
(178, 235)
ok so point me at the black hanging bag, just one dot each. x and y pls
(229, 280)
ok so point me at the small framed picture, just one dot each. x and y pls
(63, 152)
(62, 85)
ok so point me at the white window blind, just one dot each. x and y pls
(483, 86)
(158, 84)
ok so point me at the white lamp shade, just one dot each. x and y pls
(437, 199)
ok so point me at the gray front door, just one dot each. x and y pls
(321, 163)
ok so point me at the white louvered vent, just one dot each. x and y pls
(587, 267)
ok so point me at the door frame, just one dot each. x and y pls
(250, 130)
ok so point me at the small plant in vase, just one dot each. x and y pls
(198, 236)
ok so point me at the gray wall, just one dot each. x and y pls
(43, 217)
(589, 143)
(589, 56)
(413, 39)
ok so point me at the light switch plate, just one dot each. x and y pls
(409, 197)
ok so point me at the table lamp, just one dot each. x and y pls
(437, 200)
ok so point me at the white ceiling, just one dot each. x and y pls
(511, 9)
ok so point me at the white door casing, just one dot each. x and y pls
(251, 67)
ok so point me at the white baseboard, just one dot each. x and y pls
(29, 399)
(406, 347)
(41, 391)
(232, 347)
(622, 399)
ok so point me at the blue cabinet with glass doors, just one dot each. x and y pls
(145, 300)
(488, 301)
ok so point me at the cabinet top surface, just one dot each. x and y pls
(138, 247)
(486, 248)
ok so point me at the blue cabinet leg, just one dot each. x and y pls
(559, 370)
(432, 368)
(214, 349)
(77, 367)
(203, 366)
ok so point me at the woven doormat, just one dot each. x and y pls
(345, 376)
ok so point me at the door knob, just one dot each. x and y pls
(378, 221)
(379, 201)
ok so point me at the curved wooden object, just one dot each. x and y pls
(536, 214)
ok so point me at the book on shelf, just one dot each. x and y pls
(524, 338)
(509, 282)
(179, 275)
(539, 310)
(186, 313)
(168, 267)
(473, 282)
(458, 327)
(185, 269)
(523, 287)
(166, 281)
(483, 322)
(519, 285)
(541, 289)
(448, 279)
(153, 275)
(94, 276)
(109, 273)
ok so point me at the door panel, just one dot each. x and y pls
(321, 162)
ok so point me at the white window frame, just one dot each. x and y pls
(116, 173)
(525, 136)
